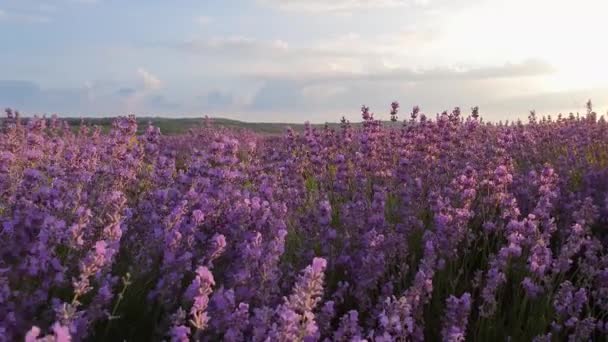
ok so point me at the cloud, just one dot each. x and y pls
(552, 102)
(435, 90)
(29, 96)
(525, 68)
(144, 96)
(531, 67)
(348, 57)
(35, 11)
(232, 47)
(335, 74)
(93, 98)
(292, 100)
(339, 5)
(150, 81)
(239, 55)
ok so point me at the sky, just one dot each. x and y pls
(302, 60)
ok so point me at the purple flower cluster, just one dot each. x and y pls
(456, 318)
(444, 227)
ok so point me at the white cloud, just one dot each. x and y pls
(392, 74)
(234, 50)
(150, 81)
(349, 57)
(339, 5)
(36, 11)
(281, 44)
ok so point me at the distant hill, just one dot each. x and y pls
(172, 126)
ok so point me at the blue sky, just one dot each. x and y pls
(299, 60)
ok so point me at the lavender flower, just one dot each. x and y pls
(510, 213)
(199, 291)
(456, 318)
(296, 319)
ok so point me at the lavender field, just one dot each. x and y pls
(434, 228)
